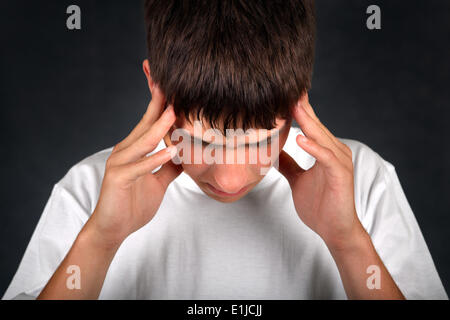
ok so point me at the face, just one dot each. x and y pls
(226, 181)
(226, 167)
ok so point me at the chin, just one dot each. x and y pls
(225, 199)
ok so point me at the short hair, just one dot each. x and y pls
(231, 62)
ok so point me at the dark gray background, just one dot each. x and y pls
(67, 94)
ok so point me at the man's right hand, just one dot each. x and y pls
(131, 194)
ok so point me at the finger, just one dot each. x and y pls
(154, 110)
(168, 172)
(288, 167)
(323, 155)
(150, 163)
(148, 141)
(310, 111)
(310, 128)
(314, 132)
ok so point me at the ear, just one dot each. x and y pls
(151, 84)
(146, 68)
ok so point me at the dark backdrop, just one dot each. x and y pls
(67, 94)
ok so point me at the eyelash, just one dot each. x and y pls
(250, 145)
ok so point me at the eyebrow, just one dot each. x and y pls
(268, 138)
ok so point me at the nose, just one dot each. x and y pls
(230, 178)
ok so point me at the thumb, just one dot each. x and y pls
(168, 172)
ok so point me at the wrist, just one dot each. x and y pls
(93, 237)
(356, 240)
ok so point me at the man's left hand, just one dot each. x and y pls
(324, 194)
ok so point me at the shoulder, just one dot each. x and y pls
(363, 154)
(83, 180)
(368, 164)
(375, 180)
(88, 171)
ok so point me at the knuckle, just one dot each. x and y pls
(115, 148)
(346, 148)
(113, 160)
(148, 141)
(328, 154)
(350, 152)
(114, 175)
(151, 162)
(110, 162)
(308, 126)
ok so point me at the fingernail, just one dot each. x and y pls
(169, 108)
(172, 150)
(303, 139)
(169, 111)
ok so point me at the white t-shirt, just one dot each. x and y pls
(255, 248)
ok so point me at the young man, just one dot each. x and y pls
(145, 220)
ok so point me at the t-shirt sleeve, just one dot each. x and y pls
(388, 218)
(61, 221)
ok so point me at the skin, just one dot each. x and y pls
(323, 197)
(227, 182)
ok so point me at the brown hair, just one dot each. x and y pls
(231, 61)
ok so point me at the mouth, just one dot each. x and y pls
(226, 194)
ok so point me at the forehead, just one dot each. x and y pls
(195, 127)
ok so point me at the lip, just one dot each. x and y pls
(226, 194)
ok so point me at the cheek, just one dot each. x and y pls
(255, 172)
(267, 156)
(195, 171)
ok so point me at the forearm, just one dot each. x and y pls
(353, 262)
(93, 260)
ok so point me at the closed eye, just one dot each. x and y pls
(247, 145)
